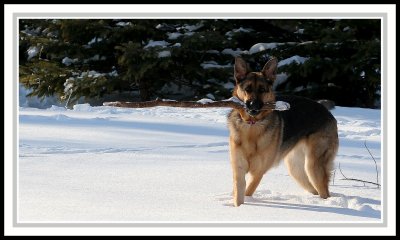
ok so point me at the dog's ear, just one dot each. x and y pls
(240, 69)
(269, 69)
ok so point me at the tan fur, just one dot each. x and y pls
(255, 148)
(255, 151)
(320, 153)
(252, 151)
(295, 163)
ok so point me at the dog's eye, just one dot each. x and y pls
(262, 90)
(248, 89)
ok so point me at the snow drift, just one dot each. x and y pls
(172, 164)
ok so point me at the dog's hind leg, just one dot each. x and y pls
(295, 163)
(321, 151)
(254, 180)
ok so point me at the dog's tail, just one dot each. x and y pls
(328, 104)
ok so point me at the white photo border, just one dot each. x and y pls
(384, 12)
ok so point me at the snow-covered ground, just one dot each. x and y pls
(172, 164)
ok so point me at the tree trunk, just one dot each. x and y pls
(144, 90)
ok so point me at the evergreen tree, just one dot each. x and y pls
(87, 59)
(343, 65)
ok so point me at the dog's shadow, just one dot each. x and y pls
(344, 208)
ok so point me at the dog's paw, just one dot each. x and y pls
(237, 202)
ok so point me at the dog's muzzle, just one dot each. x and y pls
(254, 107)
(253, 112)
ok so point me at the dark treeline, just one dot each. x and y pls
(141, 59)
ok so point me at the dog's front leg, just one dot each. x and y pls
(240, 167)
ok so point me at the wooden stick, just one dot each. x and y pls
(229, 103)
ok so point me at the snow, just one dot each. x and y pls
(95, 58)
(236, 30)
(195, 27)
(259, 47)
(156, 44)
(92, 74)
(165, 27)
(282, 106)
(163, 54)
(212, 51)
(297, 59)
(188, 34)
(205, 101)
(214, 64)
(123, 24)
(229, 85)
(113, 73)
(94, 40)
(242, 30)
(174, 35)
(300, 31)
(68, 85)
(211, 96)
(34, 101)
(31, 32)
(280, 79)
(68, 61)
(32, 52)
(234, 53)
(172, 164)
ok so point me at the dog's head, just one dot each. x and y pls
(254, 88)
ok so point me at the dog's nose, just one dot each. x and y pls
(254, 105)
(253, 112)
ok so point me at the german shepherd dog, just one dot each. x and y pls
(305, 136)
